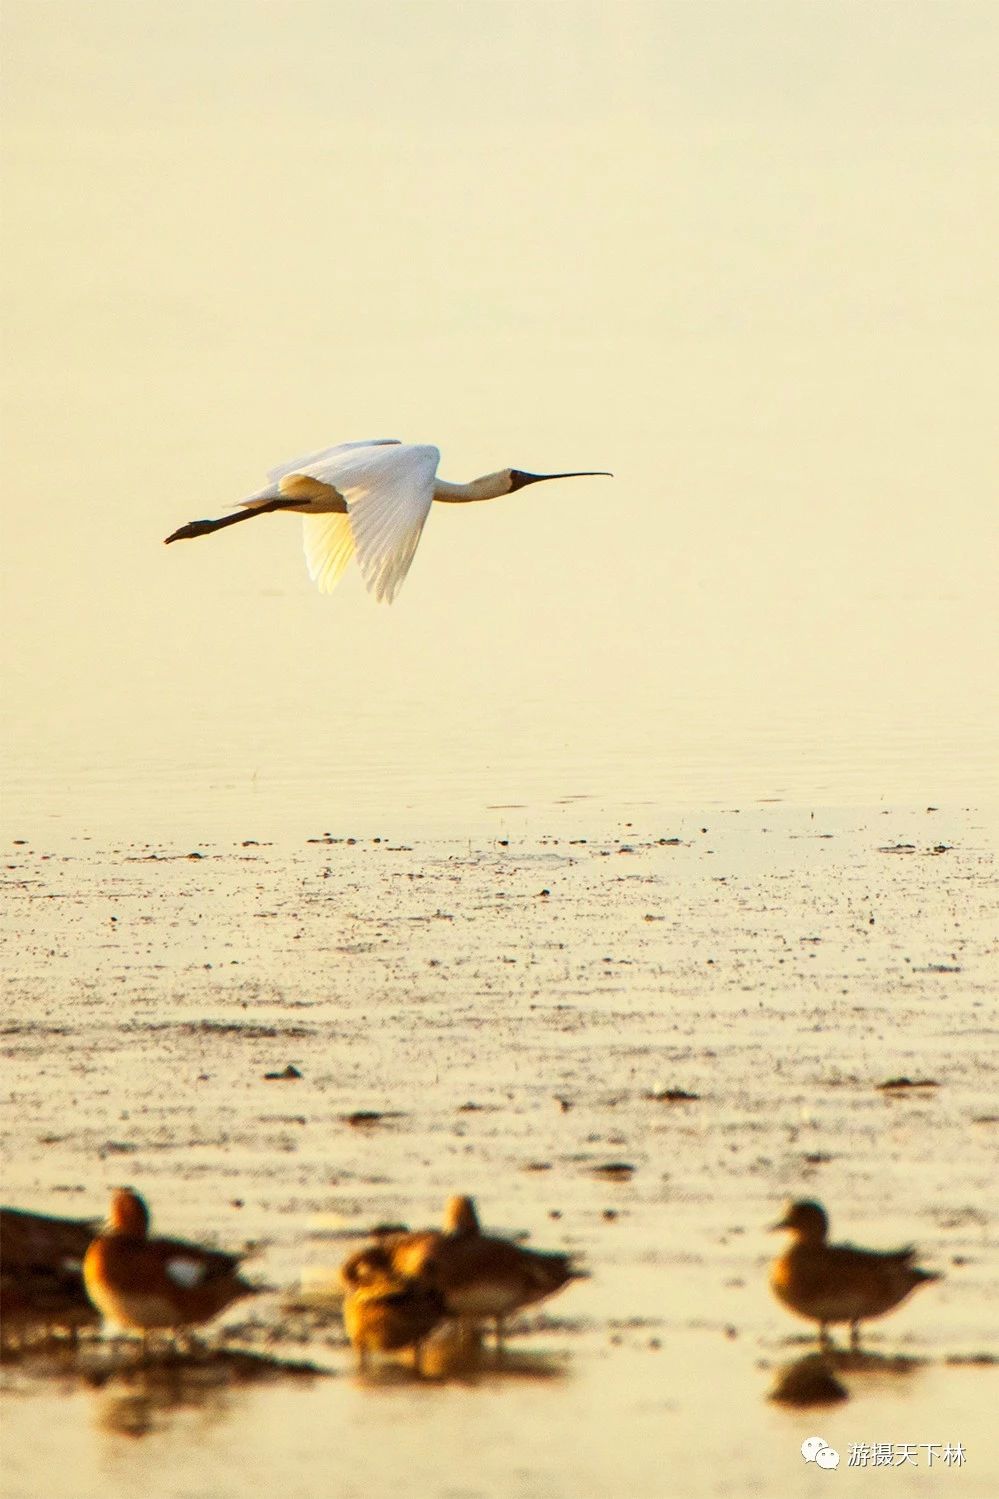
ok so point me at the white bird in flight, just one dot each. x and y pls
(368, 498)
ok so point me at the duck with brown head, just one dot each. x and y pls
(481, 1277)
(143, 1284)
(831, 1283)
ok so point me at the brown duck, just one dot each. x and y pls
(144, 1284)
(41, 1271)
(384, 1312)
(479, 1276)
(837, 1282)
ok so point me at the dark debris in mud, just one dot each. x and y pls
(617, 1171)
(365, 1118)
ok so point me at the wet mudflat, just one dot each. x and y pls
(633, 1043)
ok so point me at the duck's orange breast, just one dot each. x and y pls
(391, 1316)
(780, 1276)
(158, 1283)
(126, 1288)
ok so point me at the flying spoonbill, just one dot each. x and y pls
(371, 498)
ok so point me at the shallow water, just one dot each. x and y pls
(620, 1420)
(779, 965)
(284, 770)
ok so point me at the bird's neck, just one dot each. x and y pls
(489, 487)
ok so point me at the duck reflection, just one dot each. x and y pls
(457, 1352)
(140, 1393)
(815, 1378)
(137, 1401)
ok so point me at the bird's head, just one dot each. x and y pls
(806, 1220)
(460, 1217)
(368, 1266)
(128, 1214)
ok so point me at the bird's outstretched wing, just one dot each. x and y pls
(301, 465)
(283, 476)
(329, 546)
(389, 488)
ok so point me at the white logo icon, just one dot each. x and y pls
(818, 1451)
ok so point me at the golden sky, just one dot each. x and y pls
(743, 254)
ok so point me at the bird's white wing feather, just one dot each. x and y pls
(185, 1272)
(306, 465)
(389, 489)
(329, 546)
(300, 465)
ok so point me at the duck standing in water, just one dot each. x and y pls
(480, 1276)
(145, 1284)
(41, 1273)
(385, 1312)
(837, 1282)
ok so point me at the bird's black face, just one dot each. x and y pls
(518, 478)
(805, 1218)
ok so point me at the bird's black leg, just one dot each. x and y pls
(205, 527)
